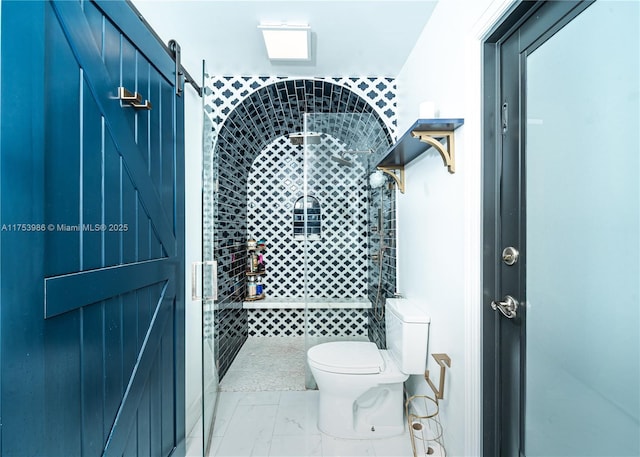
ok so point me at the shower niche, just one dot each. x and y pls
(307, 217)
(255, 270)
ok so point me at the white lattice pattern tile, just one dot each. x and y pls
(321, 322)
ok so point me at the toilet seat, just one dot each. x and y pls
(348, 357)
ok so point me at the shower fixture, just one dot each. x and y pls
(377, 179)
(391, 171)
(342, 160)
(297, 139)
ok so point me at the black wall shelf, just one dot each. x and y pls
(422, 135)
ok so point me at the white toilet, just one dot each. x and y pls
(361, 386)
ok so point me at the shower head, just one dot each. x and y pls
(341, 160)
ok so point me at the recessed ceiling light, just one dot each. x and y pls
(287, 41)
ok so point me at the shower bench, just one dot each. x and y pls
(285, 316)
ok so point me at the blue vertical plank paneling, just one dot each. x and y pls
(143, 70)
(143, 429)
(167, 148)
(63, 411)
(21, 190)
(112, 360)
(168, 393)
(111, 52)
(95, 20)
(144, 313)
(111, 201)
(62, 111)
(143, 232)
(155, 399)
(132, 443)
(63, 133)
(129, 334)
(112, 357)
(129, 198)
(111, 198)
(93, 376)
(129, 77)
(127, 225)
(91, 256)
(155, 132)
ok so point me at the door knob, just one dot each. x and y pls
(507, 307)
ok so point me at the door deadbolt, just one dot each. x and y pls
(510, 255)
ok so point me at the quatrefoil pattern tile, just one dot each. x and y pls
(222, 94)
(320, 322)
(337, 262)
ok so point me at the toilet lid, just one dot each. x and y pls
(355, 357)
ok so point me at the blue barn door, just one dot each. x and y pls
(92, 240)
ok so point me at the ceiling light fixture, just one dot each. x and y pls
(287, 41)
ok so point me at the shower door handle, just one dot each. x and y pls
(197, 272)
(508, 307)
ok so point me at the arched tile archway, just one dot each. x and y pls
(264, 115)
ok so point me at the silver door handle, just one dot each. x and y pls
(508, 307)
(197, 273)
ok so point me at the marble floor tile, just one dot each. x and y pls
(296, 446)
(264, 410)
(251, 426)
(297, 414)
(225, 409)
(337, 447)
(397, 446)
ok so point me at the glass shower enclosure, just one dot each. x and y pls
(307, 195)
(338, 225)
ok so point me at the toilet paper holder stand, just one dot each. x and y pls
(444, 361)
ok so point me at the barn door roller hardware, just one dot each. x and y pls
(132, 99)
(180, 71)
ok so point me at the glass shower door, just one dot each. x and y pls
(209, 282)
(334, 221)
(582, 275)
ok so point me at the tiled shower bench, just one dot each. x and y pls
(327, 317)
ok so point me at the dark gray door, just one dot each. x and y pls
(562, 307)
(92, 240)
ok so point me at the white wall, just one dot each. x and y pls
(439, 216)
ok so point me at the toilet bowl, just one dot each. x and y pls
(360, 390)
(361, 386)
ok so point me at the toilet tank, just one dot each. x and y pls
(407, 331)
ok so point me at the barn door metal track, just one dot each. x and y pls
(173, 49)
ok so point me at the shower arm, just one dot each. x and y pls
(398, 179)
